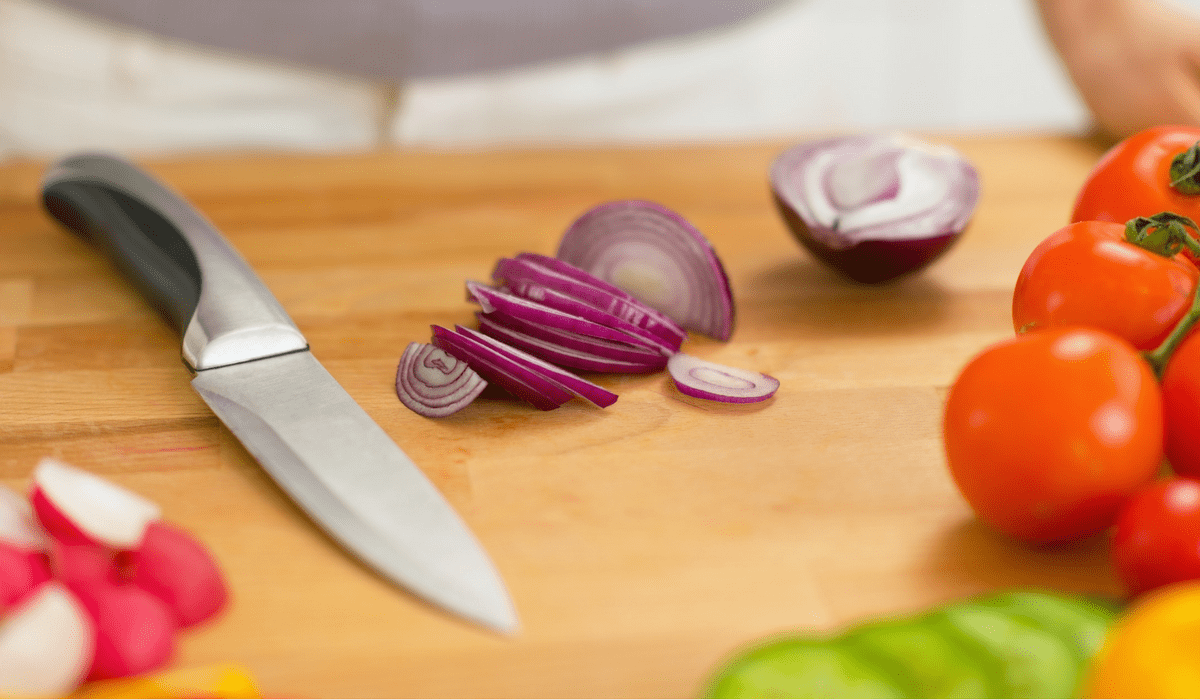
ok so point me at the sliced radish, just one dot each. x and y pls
(78, 507)
(17, 524)
(178, 569)
(658, 257)
(21, 572)
(46, 644)
(434, 383)
(709, 380)
(84, 565)
(135, 630)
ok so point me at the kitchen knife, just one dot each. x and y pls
(253, 368)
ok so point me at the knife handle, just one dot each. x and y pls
(175, 257)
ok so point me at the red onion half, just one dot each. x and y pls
(434, 383)
(709, 380)
(875, 207)
(656, 256)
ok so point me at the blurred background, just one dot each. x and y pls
(73, 79)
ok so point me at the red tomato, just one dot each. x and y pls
(1181, 407)
(1086, 274)
(1049, 432)
(1157, 538)
(1132, 180)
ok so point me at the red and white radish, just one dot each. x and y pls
(135, 630)
(78, 507)
(874, 207)
(46, 644)
(24, 563)
(178, 569)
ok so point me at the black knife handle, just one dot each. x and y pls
(144, 246)
(175, 257)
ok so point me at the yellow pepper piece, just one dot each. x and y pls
(1153, 650)
(218, 681)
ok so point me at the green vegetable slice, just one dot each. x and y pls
(1034, 663)
(802, 668)
(1081, 622)
(924, 660)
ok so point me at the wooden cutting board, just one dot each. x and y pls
(643, 544)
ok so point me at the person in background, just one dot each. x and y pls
(1136, 63)
(170, 75)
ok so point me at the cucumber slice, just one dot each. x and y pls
(923, 660)
(1034, 663)
(802, 668)
(1081, 622)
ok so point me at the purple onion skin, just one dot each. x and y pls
(879, 250)
(869, 262)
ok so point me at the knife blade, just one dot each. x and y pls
(253, 368)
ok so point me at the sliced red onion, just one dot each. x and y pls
(502, 370)
(494, 299)
(578, 386)
(655, 255)
(875, 207)
(709, 380)
(582, 309)
(434, 383)
(517, 273)
(563, 356)
(634, 354)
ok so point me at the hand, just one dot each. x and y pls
(1136, 63)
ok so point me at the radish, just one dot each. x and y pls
(23, 562)
(77, 507)
(83, 565)
(21, 572)
(175, 567)
(135, 631)
(46, 644)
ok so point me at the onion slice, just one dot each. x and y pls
(578, 386)
(502, 370)
(524, 272)
(533, 312)
(434, 383)
(874, 207)
(709, 380)
(564, 356)
(607, 349)
(658, 257)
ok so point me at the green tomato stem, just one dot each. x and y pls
(1185, 171)
(1179, 237)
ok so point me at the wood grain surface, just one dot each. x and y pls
(643, 544)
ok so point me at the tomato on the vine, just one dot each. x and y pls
(1134, 178)
(1181, 407)
(1087, 274)
(1047, 433)
(1157, 537)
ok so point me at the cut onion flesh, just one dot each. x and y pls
(526, 276)
(709, 380)
(500, 369)
(564, 356)
(607, 349)
(874, 207)
(658, 257)
(78, 507)
(578, 386)
(434, 383)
